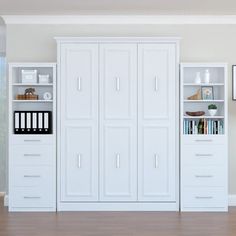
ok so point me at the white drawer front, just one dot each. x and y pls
(32, 139)
(203, 155)
(31, 177)
(32, 155)
(204, 140)
(204, 176)
(31, 197)
(204, 197)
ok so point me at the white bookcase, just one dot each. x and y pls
(204, 151)
(32, 157)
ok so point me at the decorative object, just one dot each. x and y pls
(198, 78)
(29, 95)
(196, 96)
(43, 79)
(47, 96)
(195, 113)
(207, 77)
(212, 109)
(29, 76)
(234, 82)
(207, 93)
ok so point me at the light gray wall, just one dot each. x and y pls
(200, 43)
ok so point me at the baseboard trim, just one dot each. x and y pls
(6, 200)
(232, 200)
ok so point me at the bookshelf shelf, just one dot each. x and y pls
(203, 117)
(33, 101)
(31, 85)
(203, 84)
(202, 101)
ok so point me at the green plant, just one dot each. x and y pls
(212, 107)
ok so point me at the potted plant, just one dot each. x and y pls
(212, 108)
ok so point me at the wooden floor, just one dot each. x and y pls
(117, 223)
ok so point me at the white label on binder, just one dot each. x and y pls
(40, 117)
(28, 120)
(46, 125)
(22, 121)
(17, 120)
(34, 125)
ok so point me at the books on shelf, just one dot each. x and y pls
(32, 122)
(203, 126)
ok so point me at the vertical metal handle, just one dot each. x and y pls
(117, 84)
(79, 83)
(79, 160)
(156, 83)
(117, 160)
(156, 161)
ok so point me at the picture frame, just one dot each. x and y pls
(234, 82)
(207, 93)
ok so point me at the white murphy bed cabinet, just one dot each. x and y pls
(32, 157)
(118, 124)
(204, 157)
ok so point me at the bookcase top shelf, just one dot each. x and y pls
(202, 101)
(203, 84)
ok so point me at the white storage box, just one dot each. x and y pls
(29, 76)
(43, 79)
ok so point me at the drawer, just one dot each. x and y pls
(31, 197)
(204, 176)
(32, 155)
(203, 155)
(204, 197)
(32, 139)
(204, 139)
(32, 177)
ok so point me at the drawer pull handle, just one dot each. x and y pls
(32, 176)
(79, 83)
(203, 176)
(156, 161)
(32, 140)
(79, 157)
(203, 155)
(203, 140)
(156, 83)
(117, 84)
(29, 197)
(117, 160)
(31, 155)
(204, 197)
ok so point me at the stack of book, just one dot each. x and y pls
(203, 126)
(32, 122)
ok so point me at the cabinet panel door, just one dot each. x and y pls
(79, 63)
(78, 109)
(118, 164)
(79, 179)
(118, 76)
(118, 122)
(156, 79)
(157, 126)
(156, 170)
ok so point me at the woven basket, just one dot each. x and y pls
(26, 97)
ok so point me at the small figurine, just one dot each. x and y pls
(29, 91)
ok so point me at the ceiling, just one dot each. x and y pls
(55, 7)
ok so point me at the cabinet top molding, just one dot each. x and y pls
(120, 19)
(118, 39)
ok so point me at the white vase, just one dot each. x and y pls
(207, 77)
(212, 112)
(198, 78)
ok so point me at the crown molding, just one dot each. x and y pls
(121, 19)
